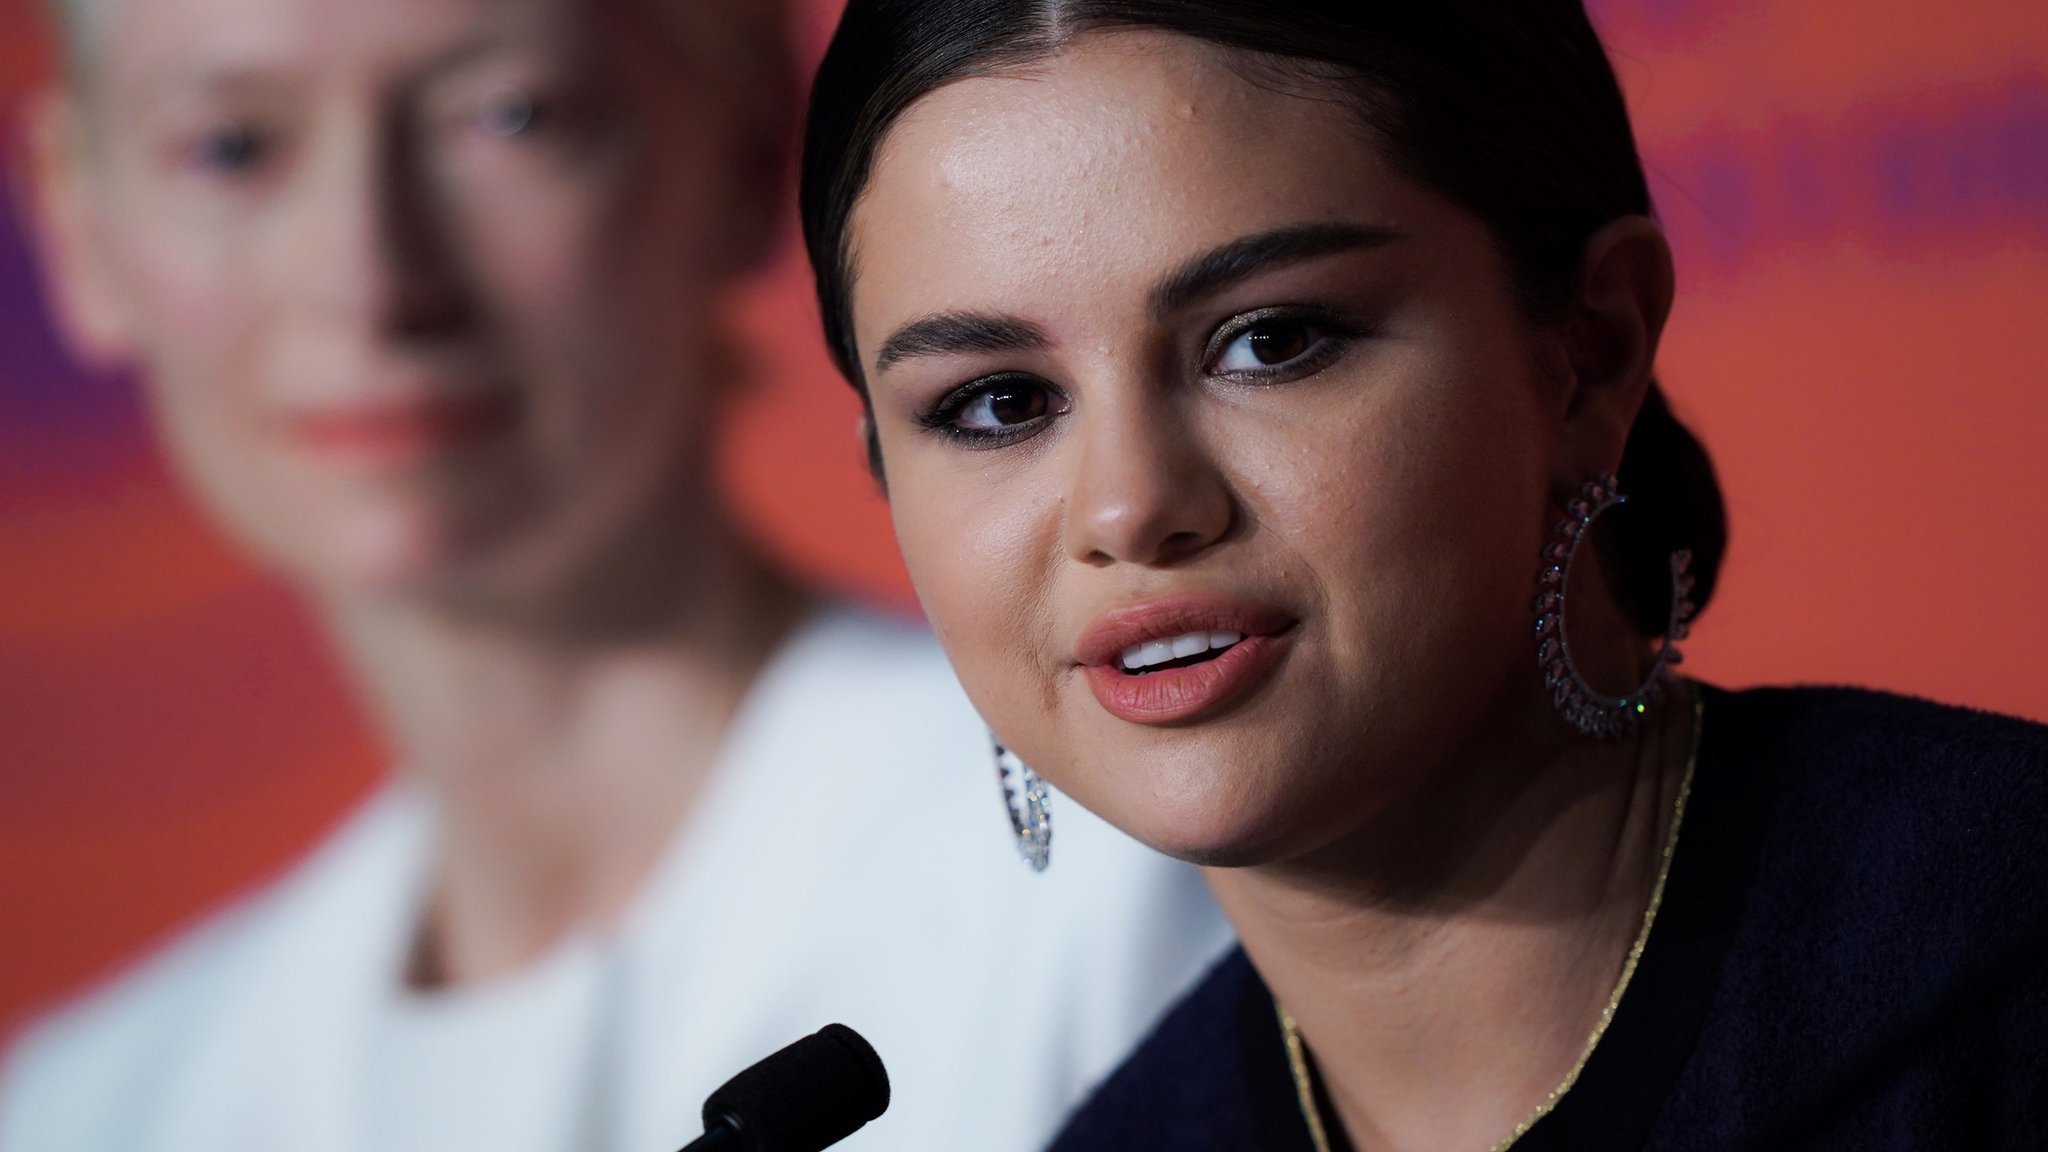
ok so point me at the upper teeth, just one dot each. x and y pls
(1154, 652)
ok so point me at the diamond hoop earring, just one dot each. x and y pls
(1030, 807)
(1586, 709)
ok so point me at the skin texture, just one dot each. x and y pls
(426, 297)
(1406, 837)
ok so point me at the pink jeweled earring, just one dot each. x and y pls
(1583, 706)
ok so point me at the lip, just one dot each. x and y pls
(402, 431)
(1178, 695)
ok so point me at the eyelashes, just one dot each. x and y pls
(1276, 344)
(1268, 346)
(995, 410)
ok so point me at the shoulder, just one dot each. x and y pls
(853, 695)
(71, 1071)
(1186, 1087)
(1897, 875)
(110, 1056)
(858, 795)
(1860, 731)
(1915, 789)
(854, 677)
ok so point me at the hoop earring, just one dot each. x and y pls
(1029, 805)
(1585, 708)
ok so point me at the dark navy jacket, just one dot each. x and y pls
(1852, 953)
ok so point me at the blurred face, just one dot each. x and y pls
(423, 289)
(1218, 451)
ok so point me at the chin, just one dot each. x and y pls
(1213, 814)
(1220, 798)
(385, 553)
(1220, 839)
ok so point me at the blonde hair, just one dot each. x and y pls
(749, 41)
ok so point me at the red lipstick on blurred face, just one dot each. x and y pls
(1176, 659)
(394, 433)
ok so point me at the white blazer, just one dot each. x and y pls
(849, 861)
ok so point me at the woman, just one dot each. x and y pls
(1265, 396)
(426, 294)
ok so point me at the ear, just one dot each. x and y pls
(56, 188)
(1611, 337)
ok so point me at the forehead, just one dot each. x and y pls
(151, 43)
(1122, 155)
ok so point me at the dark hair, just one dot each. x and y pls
(1508, 108)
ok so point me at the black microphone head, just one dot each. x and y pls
(807, 1097)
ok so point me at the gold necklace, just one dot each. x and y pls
(1297, 1054)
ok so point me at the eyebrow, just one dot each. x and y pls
(955, 332)
(1217, 269)
(1241, 259)
(238, 72)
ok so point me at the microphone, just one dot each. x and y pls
(805, 1098)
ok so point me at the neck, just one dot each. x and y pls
(1448, 964)
(565, 740)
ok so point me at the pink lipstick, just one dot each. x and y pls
(1179, 659)
(401, 432)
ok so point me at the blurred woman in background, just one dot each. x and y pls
(427, 298)
(1265, 394)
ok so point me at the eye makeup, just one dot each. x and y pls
(1283, 343)
(993, 411)
(1311, 336)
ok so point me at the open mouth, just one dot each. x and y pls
(1182, 651)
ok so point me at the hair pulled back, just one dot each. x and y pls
(1508, 108)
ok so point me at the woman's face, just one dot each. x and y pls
(1218, 450)
(423, 289)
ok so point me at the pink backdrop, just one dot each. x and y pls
(1858, 190)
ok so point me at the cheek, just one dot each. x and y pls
(600, 308)
(980, 553)
(196, 293)
(198, 315)
(1401, 499)
(536, 253)
(624, 231)
(1429, 554)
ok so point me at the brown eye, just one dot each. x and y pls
(1270, 344)
(1278, 342)
(1004, 404)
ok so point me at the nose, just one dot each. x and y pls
(1146, 491)
(370, 250)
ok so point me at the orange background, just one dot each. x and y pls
(1858, 191)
